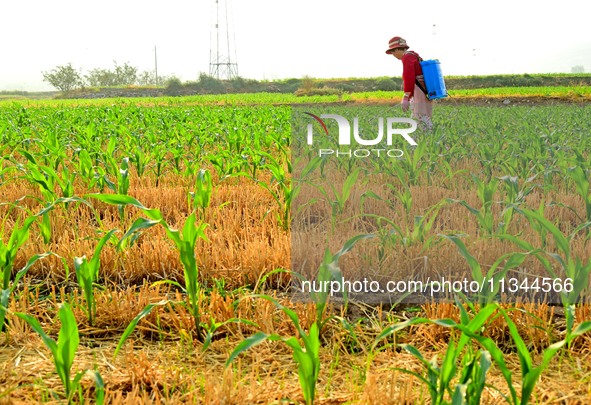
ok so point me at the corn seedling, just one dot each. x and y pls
(573, 267)
(8, 252)
(185, 241)
(87, 273)
(439, 377)
(490, 282)
(123, 182)
(515, 195)
(410, 234)
(279, 187)
(202, 195)
(140, 159)
(213, 326)
(338, 198)
(48, 179)
(307, 357)
(582, 181)
(411, 166)
(484, 215)
(530, 374)
(329, 274)
(64, 350)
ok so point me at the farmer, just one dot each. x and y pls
(412, 82)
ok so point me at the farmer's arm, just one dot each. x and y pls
(408, 75)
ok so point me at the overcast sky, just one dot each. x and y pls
(281, 39)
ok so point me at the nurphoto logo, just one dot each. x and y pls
(344, 138)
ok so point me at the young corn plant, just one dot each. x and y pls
(573, 267)
(89, 170)
(411, 166)
(573, 279)
(201, 197)
(489, 283)
(87, 273)
(329, 274)
(8, 252)
(530, 374)
(123, 183)
(582, 180)
(49, 179)
(410, 233)
(279, 187)
(338, 198)
(281, 190)
(306, 356)
(64, 351)
(140, 159)
(515, 196)
(403, 197)
(484, 215)
(439, 377)
(185, 241)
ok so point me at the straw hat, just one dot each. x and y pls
(396, 42)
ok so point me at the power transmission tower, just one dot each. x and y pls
(221, 63)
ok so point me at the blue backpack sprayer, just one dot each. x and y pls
(433, 79)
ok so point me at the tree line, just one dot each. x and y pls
(66, 77)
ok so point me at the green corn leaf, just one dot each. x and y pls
(497, 355)
(216, 325)
(246, 344)
(459, 397)
(99, 384)
(96, 257)
(448, 366)
(28, 265)
(36, 326)
(123, 200)
(561, 241)
(67, 344)
(472, 262)
(203, 189)
(138, 225)
(522, 351)
(131, 327)
(396, 327)
(415, 352)
(117, 199)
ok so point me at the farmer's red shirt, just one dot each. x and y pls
(411, 68)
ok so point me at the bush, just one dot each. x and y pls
(319, 91)
(387, 84)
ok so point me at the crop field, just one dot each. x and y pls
(154, 251)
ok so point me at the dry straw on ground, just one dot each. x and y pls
(163, 363)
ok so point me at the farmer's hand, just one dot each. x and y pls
(405, 103)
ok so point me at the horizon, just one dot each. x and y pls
(550, 74)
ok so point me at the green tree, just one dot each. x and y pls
(101, 77)
(63, 78)
(125, 75)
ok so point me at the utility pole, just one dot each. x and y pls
(155, 64)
